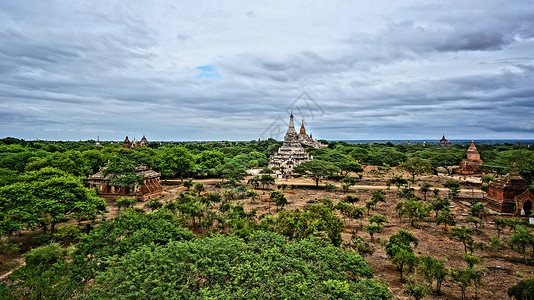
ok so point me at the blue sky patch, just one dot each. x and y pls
(208, 72)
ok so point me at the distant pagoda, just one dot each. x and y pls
(444, 142)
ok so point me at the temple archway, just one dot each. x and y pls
(527, 207)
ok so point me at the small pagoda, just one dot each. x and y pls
(126, 144)
(471, 164)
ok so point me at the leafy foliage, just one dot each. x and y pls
(319, 217)
(317, 169)
(127, 232)
(523, 290)
(399, 250)
(45, 198)
(266, 265)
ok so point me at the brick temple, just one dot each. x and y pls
(510, 196)
(151, 186)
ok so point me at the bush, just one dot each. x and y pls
(124, 202)
(233, 268)
(523, 290)
(46, 255)
(496, 243)
(6, 247)
(69, 234)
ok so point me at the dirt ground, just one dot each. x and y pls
(504, 267)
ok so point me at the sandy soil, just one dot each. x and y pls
(504, 267)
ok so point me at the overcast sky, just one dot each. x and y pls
(232, 70)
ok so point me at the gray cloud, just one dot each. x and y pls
(388, 70)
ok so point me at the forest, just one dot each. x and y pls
(213, 233)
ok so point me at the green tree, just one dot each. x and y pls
(400, 252)
(93, 160)
(199, 187)
(469, 276)
(433, 269)
(415, 289)
(128, 232)
(317, 169)
(253, 195)
(521, 239)
(319, 217)
(446, 218)
(231, 172)
(463, 278)
(43, 276)
(523, 290)
(439, 204)
(520, 161)
(378, 219)
(68, 161)
(373, 228)
(414, 208)
(121, 169)
(404, 260)
(453, 186)
(210, 159)
(266, 179)
(188, 183)
(125, 202)
(230, 267)
(153, 204)
(425, 189)
(279, 198)
(344, 162)
(351, 199)
(254, 181)
(360, 245)
(378, 196)
(398, 181)
(347, 182)
(345, 209)
(176, 161)
(416, 166)
(500, 224)
(463, 235)
(46, 198)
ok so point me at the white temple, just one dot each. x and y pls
(291, 153)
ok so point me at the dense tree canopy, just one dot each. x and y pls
(266, 265)
(45, 198)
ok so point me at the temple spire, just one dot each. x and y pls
(291, 133)
(302, 129)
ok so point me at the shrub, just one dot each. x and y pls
(46, 255)
(523, 290)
